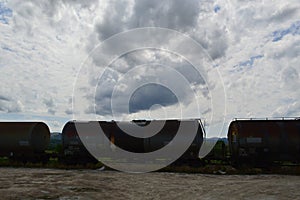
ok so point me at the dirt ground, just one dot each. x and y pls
(25, 183)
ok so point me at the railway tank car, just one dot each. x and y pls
(75, 152)
(24, 141)
(262, 142)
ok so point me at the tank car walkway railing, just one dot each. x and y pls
(268, 118)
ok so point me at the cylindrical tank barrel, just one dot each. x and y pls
(139, 136)
(20, 137)
(271, 140)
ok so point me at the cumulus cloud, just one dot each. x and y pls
(4, 98)
(195, 18)
(254, 44)
(9, 105)
(124, 15)
(49, 103)
(40, 53)
(143, 78)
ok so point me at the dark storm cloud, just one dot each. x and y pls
(166, 59)
(84, 4)
(114, 21)
(176, 14)
(148, 95)
(190, 17)
(183, 77)
(142, 99)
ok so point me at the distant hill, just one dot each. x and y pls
(55, 139)
(214, 139)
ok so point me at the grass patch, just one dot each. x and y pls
(220, 169)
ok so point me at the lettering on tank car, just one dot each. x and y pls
(74, 142)
(254, 140)
(23, 143)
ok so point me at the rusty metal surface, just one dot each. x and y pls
(267, 139)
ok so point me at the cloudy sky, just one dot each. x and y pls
(51, 50)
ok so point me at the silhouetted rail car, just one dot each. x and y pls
(24, 141)
(73, 150)
(116, 132)
(264, 141)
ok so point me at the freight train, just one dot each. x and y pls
(250, 141)
(165, 130)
